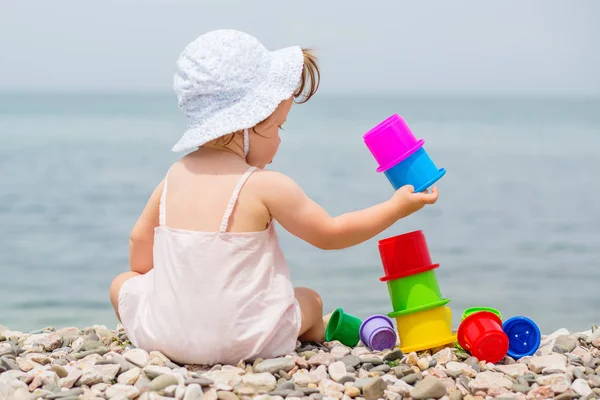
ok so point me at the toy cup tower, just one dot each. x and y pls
(422, 317)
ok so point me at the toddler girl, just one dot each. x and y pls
(208, 282)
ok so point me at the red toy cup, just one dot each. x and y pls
(481, 334)
(404, 253)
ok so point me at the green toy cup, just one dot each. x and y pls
(344, 328)
(473, 310)
(414, 290)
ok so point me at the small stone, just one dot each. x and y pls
(264, 381)
(337, 370)
(402, 370)
(100, 351)
(381, 368)
(223, 395)
(581, 387)
(118, 390)
(554, 361)
(193, 392)
(162, 381)
(138, 357)
(429, 387)
(340, 352)
(372, 359)
(487, 379)
(411, 378)
(153, 371)
(201, 380)
(412, 359)
(513, 370)
(275, 365)
(367, 366)
(60, 371)
(305, 378)
(129, 377)
(423, 364)
(351, 361)
(9, 363)
(594, 381)
(67, 393)
(564, 396)
(540, 392)
(97, 374)
(373, 389)
(347, 378)
(321, 359)
(444, 356)
(352, 392)
(455, 395)
(393, 355)
(473, 363)
(521, 388)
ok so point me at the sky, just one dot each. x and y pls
(502, 47)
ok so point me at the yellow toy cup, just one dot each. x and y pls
(424, 329)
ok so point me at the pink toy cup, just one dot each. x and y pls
(391, 141)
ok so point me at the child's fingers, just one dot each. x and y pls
(430, 198)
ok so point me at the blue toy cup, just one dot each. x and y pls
(523, 336)
(417, 170)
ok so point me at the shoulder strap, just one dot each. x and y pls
(162, 208)
(233, 201)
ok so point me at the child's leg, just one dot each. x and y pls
(311, 305)
(116, 286)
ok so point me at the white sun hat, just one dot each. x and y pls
(227, 80)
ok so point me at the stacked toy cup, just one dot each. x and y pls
(422, 317)
(401, 157)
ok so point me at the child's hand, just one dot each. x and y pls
(407, 201)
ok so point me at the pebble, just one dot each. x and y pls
(423, 364)
(137, 357)
(162, 381)
(374, 388)
(193, 392)
(411, 379)
(429, 387)
(351, 361)
(393, 355)
(275, 365)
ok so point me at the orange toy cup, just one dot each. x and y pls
(481, 334)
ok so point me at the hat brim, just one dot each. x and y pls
(281, 82)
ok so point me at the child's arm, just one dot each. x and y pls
(304, 218)
(141, 241)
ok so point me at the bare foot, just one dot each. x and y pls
(326, 319)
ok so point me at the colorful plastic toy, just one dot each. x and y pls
(414, 290)
(473, 310)
(423, 320)
(481, 334)
(523, 336)
(405, 254)
(377, 333)
(343, 328)
(424, 329)
(401, 157)
(417, 170)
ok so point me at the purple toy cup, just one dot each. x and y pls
(377, 333)
(391, 141)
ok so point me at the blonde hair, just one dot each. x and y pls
(308, 86)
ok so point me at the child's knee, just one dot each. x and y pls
(311, 296)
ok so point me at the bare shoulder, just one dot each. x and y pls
(267, 181)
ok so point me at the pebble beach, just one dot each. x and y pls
(100, 363)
